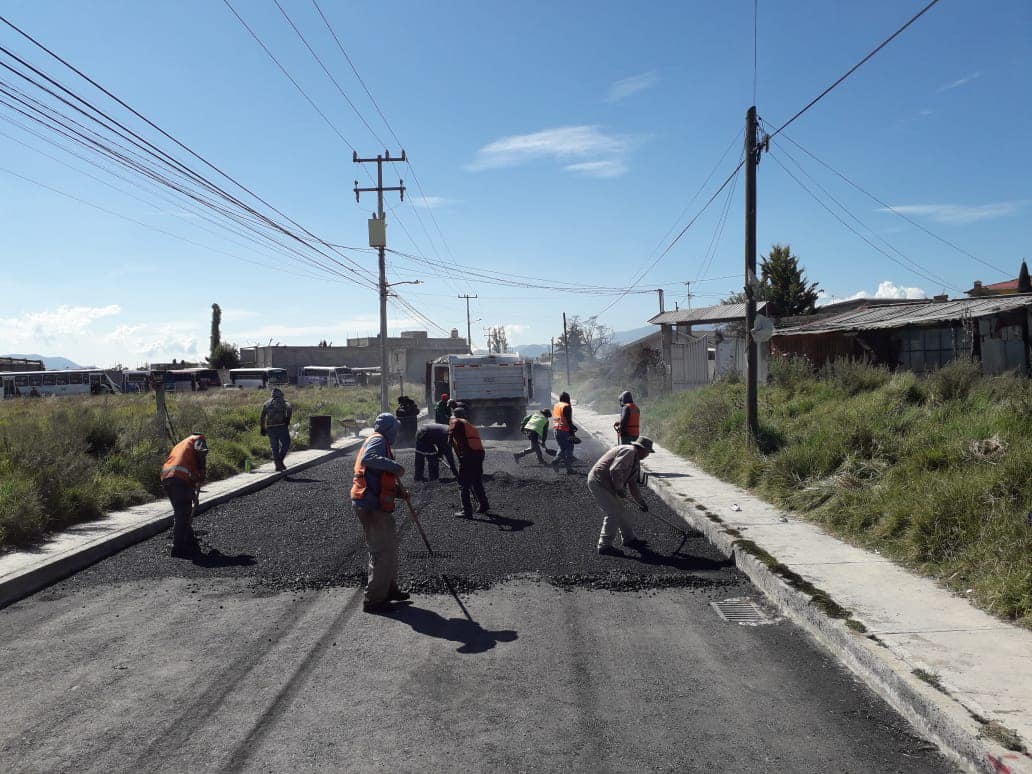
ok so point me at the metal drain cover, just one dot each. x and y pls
(741, 610)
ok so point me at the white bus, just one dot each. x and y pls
(327, 376)
(136, 381)
(34, 384)
(258, 377)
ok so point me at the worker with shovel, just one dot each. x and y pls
(535, 428)
(465, 439)
(629, 426)
(376, 485)
(181, 478)
(609, 481)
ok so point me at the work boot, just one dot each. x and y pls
(397, 595)
(484, 508)
(376, 607)
(463, 515)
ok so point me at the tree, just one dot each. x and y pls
(1024, 284)
(497, 340)
(224, 356)
(216, 334)
(783, 283)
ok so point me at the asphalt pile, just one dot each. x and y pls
(301, 533)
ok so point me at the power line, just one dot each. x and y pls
(855, 67)
(894, 211)
(919, 272)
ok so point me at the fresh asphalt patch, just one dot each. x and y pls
(301, 533)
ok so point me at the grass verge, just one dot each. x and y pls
(68, 460)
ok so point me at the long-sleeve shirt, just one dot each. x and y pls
(617, 470)
(275, 413)
(568, 416)
(460, 442)
(376, 461)
(441, 412)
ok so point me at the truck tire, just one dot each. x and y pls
(512, 422)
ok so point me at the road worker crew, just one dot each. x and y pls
(181, 478)
(377, 482)
(442, 410)
(562, 423)
(609, 481)
(629, 426)
(535, 427)
(408, 415)
(465, 439)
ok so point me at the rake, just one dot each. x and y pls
(404, 494)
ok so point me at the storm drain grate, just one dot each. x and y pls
(741, 610)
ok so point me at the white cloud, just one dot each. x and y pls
(586, 149)
(960, 82)
(627, 86)
(50, 326)
(609, 168)
(432, 202)
(960, 213)
(889, 289)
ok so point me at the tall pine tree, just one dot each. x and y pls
(784, 284)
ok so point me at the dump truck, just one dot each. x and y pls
(496, 389)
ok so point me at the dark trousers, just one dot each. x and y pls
(279, 440)
(407, 431)
(181, 495)
(471, 477)
(428, 457)
(535, 447)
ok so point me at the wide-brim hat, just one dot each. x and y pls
(644, 442)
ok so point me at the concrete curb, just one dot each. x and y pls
(934, 714)
(21, 584)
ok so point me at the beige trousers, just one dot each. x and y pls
(382, 541)
(615, 514)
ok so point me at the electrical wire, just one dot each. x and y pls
(894, 211)
(855, 67)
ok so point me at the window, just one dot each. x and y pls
(21, 381)
(35, 380)
(49, 380)
(60, 379)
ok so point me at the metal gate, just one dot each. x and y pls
(689, 362)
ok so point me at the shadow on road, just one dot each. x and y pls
(215, 558)
(504, 523)
(474, 637)
(299, 480)
(681, 561)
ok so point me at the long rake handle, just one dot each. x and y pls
(415, 520)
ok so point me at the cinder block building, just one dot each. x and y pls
(407, 354)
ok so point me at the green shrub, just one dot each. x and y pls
(954, 380)
(22, 519)
(853, 377)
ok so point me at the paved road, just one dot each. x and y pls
(258, 658)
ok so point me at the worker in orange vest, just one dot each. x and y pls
(629, 427)
(376, 485)
(181, 478)
(562, 423)
(465, 439)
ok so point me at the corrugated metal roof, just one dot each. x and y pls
(903, 315)
(707, 314)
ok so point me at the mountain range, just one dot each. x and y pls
(52, 362)
(619, 339)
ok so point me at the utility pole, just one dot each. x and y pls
(551, 357)
(751, 161)
(469, 334)
(660, 292)
(378, 239)
(566, 349)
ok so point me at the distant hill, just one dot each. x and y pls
(53, 363)
(619, 339)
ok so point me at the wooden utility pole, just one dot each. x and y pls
(566, 349)
(469, 333)
(378, 239)
(751, 160)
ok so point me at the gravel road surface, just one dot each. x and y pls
(257, 656)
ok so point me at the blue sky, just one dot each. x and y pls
(560, 141)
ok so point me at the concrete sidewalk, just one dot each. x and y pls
(26, 571)
(959, 675)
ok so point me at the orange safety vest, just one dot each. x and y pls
(633, 426)
(183, 462)
(558, 419)
(472, 436)
(388, 481)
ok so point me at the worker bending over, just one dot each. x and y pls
(609, 481)
(275, 423)
(562, 423)
(181, 478)
(465, 439)
(629, 426)
(431, 445)
(377, 482)
(535, 427)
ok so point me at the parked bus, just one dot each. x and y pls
(327, 376)
(31, 384)
(190, 379)
(258, 377)
(136, 381)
